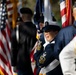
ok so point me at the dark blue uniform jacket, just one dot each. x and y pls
(45, 57)
(63, 38)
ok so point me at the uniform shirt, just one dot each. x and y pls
(68, 58)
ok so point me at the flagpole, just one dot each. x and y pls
(47, 11)
(15, 12)
(19, 5)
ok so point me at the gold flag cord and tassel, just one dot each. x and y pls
(15, 12)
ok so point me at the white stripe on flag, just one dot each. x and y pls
(62, 5)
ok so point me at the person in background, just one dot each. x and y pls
(67, 58)
(26, 17)
(45, 63)
(21, 48)
(65, 35)
(18, 21)
(16, 29)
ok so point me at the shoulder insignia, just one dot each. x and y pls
(42, 58)
(39, 45)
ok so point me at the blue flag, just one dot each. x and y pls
(39, 8)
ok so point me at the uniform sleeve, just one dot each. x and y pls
(14, 48)
(39, 49)
(45, 56)
(67, 58)
(37, 54)
(59, 44)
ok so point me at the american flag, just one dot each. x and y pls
(65, 10)
(5, 63)
(9, 9)
(33, 63)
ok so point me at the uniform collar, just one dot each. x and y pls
(52, 42)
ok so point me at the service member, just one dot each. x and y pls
(68, 58)
(65, 35)
(20, 51)
(48, 65)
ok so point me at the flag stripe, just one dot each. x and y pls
(5, 62)
(5, 47)
(2, 46)
(62, 5)
(63, 19)
(5, 42)
(10, 10)
(3, 71)
(5, 68)
(65, 10)
(68, 5)
(5, 35)
(8, 29)
(2, 52)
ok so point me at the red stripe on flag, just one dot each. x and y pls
(6, 62)
(63, 12)
(4, 72)
(2, 46)
(10, 15)
(64, 24)
(9, 9)
(8, 1)
(4, 34)
(67, 12)
(3, 59)
(8, 30)
(5, 45)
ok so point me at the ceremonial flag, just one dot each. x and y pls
(5, 63)
(10, 10)
(65, 10)
(15, 12)
(43, 8)
(48, 17)
(39, 9)
(38, 13)
(48, 14)
(33, 63)
(47, 11)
